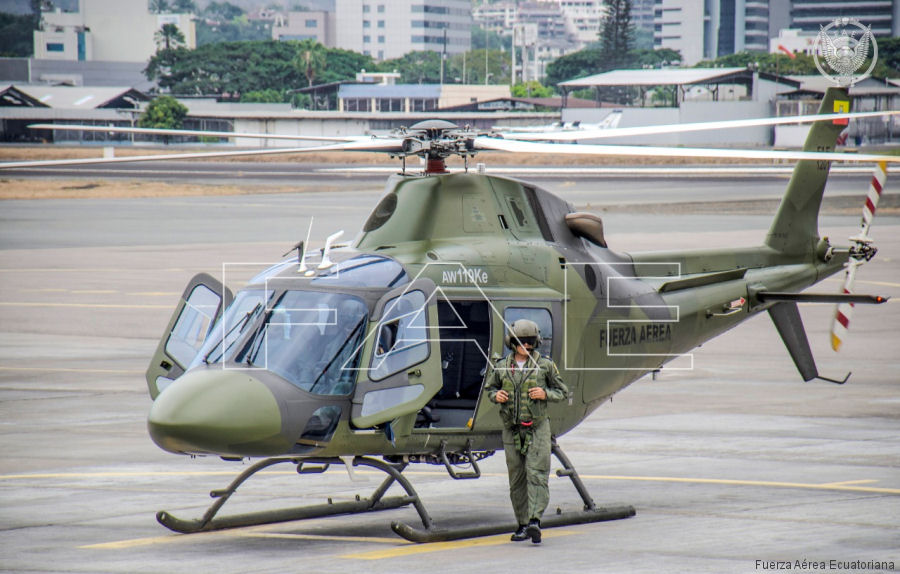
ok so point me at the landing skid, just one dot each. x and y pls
(377, 501)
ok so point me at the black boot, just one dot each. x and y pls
(533, 531)
(520, 534)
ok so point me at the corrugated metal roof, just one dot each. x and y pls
(869, 86)
(72, 98)
(389, 91)
(674, 76)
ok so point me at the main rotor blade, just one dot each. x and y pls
(199, 133)
(496, 144)
(382, 146)
(577, 135)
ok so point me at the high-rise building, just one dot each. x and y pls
(712, 28)
(882, 15)
(542, 30)
(679, 25)
(386, 29)
(735, 26)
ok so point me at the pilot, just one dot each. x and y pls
(522, 384)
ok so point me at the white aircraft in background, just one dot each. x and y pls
(611, 121)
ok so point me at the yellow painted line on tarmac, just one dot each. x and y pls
(81, 305)
(155, 294)
(849, 482)
(289, 536)
(93, 291)
(136, 474)
(443, 546)
(253, 532)
(848, 486)
(61, 370)
(137, 542)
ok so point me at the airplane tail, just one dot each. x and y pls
(795, 230)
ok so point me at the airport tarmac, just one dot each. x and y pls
(733, 466)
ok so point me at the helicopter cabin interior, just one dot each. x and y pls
(465, 350)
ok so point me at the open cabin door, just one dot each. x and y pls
(402, 372)
(197, 311)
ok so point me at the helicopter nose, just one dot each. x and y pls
(227, 413)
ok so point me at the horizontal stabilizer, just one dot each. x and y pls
(769, 296)
(704, 279)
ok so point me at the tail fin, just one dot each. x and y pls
(795, 229)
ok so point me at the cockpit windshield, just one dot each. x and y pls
(312, 339)
(241, 314)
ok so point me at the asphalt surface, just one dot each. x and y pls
(733, 466)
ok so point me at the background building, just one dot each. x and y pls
(108, 30)
(711, 28)
(387, 29)
(542, 31)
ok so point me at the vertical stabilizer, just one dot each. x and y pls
(795, 229)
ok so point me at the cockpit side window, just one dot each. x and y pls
(190, 329)
(402, 336)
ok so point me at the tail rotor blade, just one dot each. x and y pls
(844, 311)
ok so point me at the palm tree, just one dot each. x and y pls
(169, 36)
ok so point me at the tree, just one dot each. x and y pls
(310, 60)
(269, 96)
(586, 62)
(423, 67)
(158, 6)
(184, 6)
(617, 32)
(169, 36)
(531, 89)
(16, 35)
(222, 11)
(234, 68)
(164, 112)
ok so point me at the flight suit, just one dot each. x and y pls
(526, 429)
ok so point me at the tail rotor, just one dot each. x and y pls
(861, 251)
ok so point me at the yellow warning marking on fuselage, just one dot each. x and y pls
(442, 546)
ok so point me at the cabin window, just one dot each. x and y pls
(402, 336)
(539, 315)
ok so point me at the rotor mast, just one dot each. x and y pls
(435, 141)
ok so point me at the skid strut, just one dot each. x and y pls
(591, 513)
(377, 501)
